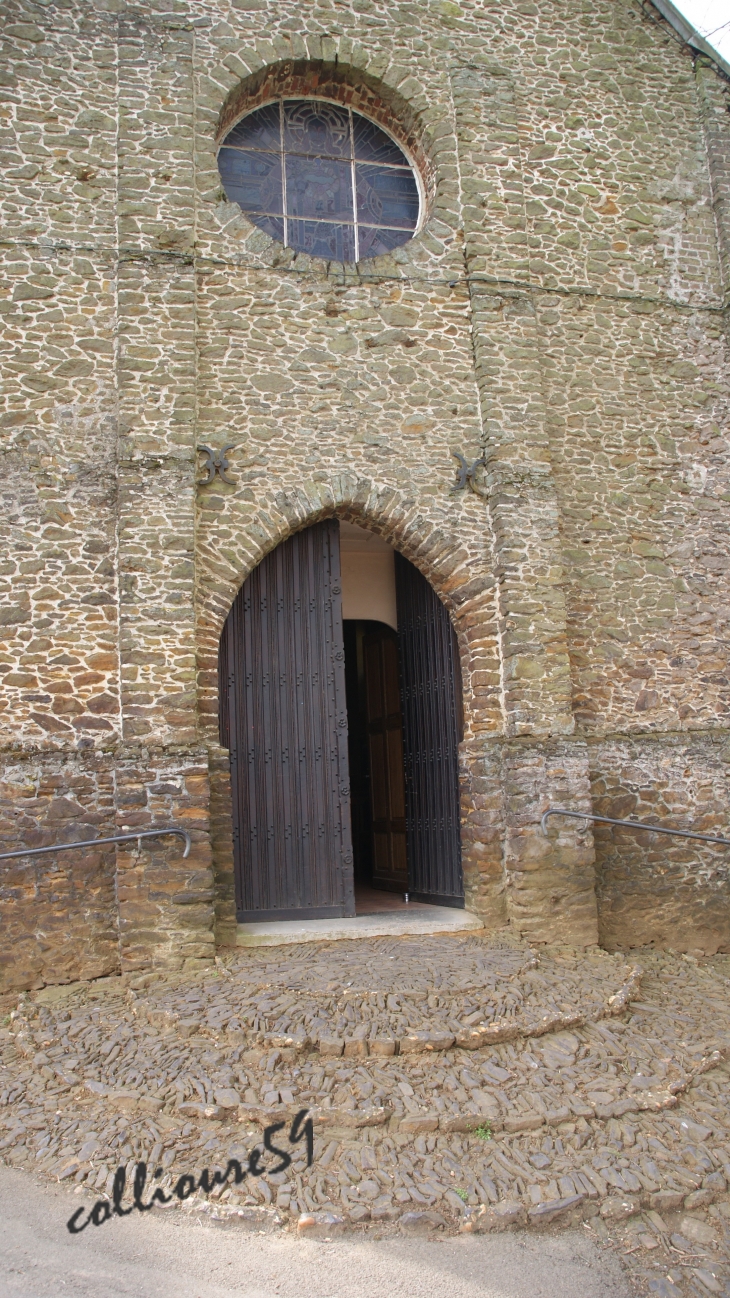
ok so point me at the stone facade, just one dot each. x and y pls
(562, 311)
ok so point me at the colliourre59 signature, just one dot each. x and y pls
(103, 1210)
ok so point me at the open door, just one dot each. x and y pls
(431, 701)
(284, 719)
(385, 745)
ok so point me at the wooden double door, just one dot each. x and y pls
(284, 719)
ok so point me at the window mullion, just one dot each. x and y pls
(282, 156)
(353, 181)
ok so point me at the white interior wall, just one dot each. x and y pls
(368, 576)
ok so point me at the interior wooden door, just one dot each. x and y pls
(284, 720)
(431, 701)
(385, 743)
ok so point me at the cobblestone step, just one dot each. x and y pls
(551, 1093)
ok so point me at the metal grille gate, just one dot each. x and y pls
(284, 719)
(431, 699)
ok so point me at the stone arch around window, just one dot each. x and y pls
(405, 118)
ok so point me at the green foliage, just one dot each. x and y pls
(463, 1195)
(484, 1131)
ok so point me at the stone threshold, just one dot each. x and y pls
(400, 923)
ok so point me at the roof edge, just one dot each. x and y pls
(689, 35)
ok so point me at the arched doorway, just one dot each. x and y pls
(343, 731)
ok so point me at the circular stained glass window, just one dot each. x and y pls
(321, 178)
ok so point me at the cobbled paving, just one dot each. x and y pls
(460, 1084)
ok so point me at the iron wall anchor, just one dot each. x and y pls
(216, 462)
(466, 472)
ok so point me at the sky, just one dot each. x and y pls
(711, 18)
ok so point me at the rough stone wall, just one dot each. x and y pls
(562, 311)
(654, 890)
(58, 911)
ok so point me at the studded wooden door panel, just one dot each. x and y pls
(431, 699)
(284, 719)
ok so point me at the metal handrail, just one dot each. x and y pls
(97, 842)
(632, 824)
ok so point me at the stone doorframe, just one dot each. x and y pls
(545, 889)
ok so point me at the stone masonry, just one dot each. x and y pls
(562, 312)
(466, 1085)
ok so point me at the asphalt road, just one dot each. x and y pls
(172, 1255)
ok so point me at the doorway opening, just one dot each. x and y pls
(403, 692)
(341, 709)
(377, 773)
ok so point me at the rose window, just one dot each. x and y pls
(322, 179)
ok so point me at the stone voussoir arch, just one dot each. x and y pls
(230, 553)
(389, 92)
